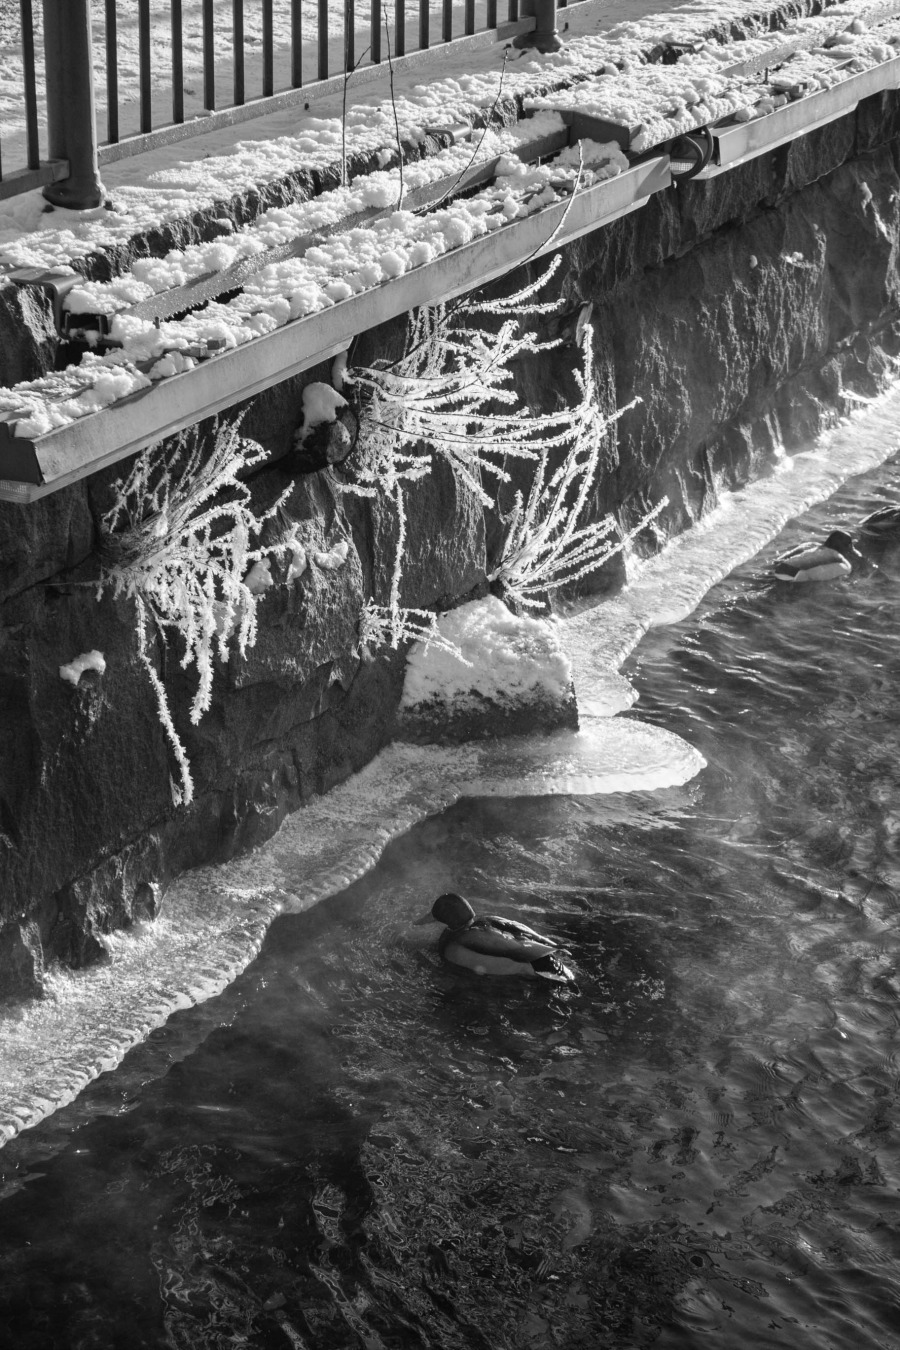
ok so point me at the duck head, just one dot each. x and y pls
(842, 543)
(453, 910)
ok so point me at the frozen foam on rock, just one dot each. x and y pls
(667, 588)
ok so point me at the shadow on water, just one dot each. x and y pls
(356, 1146)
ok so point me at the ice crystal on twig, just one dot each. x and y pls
(549, 543)
(181, 543)
(384, 626)
(441, 397)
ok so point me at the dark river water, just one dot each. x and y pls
(356, 1147)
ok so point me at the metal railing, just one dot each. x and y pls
(122, 76)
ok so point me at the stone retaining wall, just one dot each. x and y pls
(741, 310)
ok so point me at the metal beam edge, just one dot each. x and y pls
(744, 141)
(83, 447)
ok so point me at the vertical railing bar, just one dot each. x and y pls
(296, 44)
(470, 18)
(323, 39)
(31, 118)
(491, 14)
(146, 87)
(268, 51)
(31, 124)
(375, 31)
(349, 36)
(237, 41)
(447, 24)
(209, 57)
(177, 64)
(423, 25)
(513, 11)
(400, 28)
(112, 73)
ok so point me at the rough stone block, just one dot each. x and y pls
(21, 961)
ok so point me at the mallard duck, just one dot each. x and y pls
(491, 945)
(819, 562)
(882, 524)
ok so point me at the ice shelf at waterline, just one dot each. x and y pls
(215, 918)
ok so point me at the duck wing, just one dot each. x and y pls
(495, 936)
(812, 563)
(795, 553)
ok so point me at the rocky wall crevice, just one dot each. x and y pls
(743, 311)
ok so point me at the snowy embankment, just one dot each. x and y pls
(607, 76)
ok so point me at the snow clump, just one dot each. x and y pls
(74, 670)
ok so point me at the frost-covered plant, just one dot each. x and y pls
(439, 400)
(181, 542)
(440, 397)
(383, 626)
(548, 542)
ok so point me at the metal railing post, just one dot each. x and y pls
(544, 36)
(71, 123)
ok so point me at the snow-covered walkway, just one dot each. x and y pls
(603, 73)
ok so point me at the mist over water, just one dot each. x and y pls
(353, 1145)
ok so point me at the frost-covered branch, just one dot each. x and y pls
(548, 543)
(389, 626)
(441, 397)
(181, 543)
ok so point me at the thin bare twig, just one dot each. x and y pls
(347, 74)
(485, 129)
(387, 33)
(465, 300)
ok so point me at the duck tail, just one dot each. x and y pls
(552, 968)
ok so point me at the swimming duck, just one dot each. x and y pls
(819, 562)
(882, 524)
(491, 945)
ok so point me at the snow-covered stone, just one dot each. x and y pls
(514, 677)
